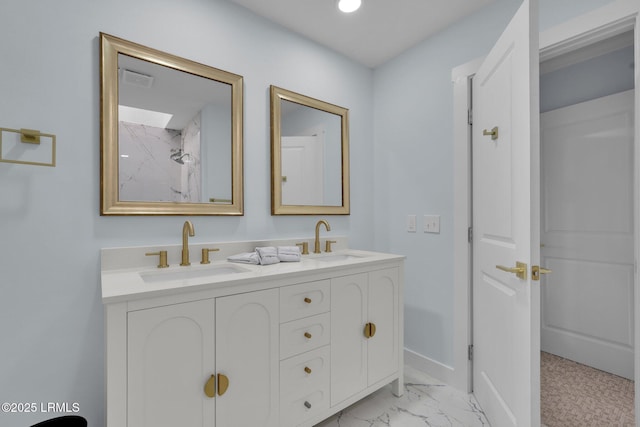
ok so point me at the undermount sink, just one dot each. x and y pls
(338, 257)
(190, 273)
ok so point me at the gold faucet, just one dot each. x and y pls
(187, 230)
(316, 246)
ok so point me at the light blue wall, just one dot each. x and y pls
(413, 164)
(50, 229)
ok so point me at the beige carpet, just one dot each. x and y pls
(577, 395)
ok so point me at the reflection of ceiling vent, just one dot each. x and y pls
(137, 79)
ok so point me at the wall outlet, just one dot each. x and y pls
(432, 223)
(412, 223)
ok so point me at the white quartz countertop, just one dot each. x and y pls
(136, 283)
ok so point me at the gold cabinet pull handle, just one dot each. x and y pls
(210, 387)
(307, 300)
(493, 133)
(536, 271)
(223, 384)
(307, 335)
(307, 369)
(369, 330)
(520, 270)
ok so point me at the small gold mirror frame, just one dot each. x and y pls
(278, 96)
(110, 203)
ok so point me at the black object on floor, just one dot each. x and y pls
(64, 421)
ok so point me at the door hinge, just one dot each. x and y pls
(470, 234)
(470, 116)
(470, 352)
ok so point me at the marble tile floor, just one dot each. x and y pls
(426, 402)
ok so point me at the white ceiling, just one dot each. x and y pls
(378, 31)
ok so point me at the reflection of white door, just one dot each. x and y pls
(587, 232)
(505, 181)
(302, 170)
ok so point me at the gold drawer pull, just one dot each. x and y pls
(369, 330)
(307, 300)
(307, 335)
(223, 384)
(307, 369)
(210, 387)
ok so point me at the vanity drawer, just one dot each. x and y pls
(305, 372)
(304, 300)
(303, 335)
(294, 410)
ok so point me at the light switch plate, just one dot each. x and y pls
(432, 223)
(411, 223)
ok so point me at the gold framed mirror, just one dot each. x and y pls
(171, 134)
(309, 155)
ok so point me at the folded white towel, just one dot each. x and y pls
(268, 255)
(246, 258)
(289, 253)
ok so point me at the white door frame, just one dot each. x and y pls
(610, 20)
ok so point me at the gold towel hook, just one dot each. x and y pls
(493, 133)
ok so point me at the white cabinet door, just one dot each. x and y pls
(356, 361)
(383, 349)
(348, 344)
(247, 354)
(170, 352)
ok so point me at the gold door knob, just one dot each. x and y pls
(307, 300)
(520, 270)
(307, 335)
(210, 387)
(307, 369)
(536, 271)
(223, 384)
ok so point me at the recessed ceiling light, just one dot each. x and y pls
(348, 6)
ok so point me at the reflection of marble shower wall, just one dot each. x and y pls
(191, 177)
(148, 173)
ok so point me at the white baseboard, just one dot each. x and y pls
(437, 370)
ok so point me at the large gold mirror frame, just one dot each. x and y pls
(208, 117)
(309, 155)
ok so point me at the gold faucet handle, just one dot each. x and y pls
(163, 258)
(327, 247)
(205, 255)
(305, 247)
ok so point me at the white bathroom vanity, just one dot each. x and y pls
(228, 344)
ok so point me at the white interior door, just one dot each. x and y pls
(302, 170)
(587, 232)
(506, 220)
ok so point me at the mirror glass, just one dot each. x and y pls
(309, 155)
(171, 134)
